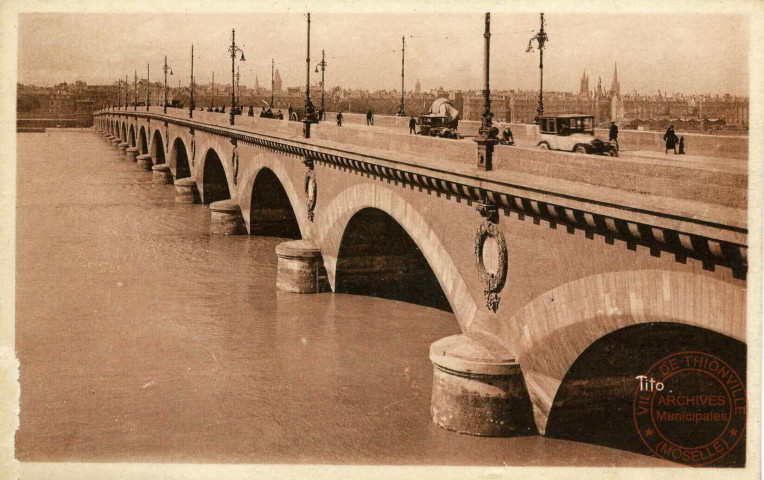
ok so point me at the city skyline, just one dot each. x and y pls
(436, 56)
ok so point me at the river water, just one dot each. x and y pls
(142, 338)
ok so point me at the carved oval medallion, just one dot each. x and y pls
(491, 262)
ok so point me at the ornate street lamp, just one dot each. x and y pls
(486, 139)
(233, 49)
(272, 66)
(135, 91)
(148, 86)
(322, 64)
(541, 38)
(401, 110)
(192, 105)
(166, 69)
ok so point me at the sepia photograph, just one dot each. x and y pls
(318, 237)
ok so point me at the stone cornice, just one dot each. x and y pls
(713, 243)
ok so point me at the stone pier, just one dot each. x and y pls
(123, 146)
(478, 390)
(300, 267)
(144, 162)
(226, 219)
(186, 191)
(162, 174)
(132, 154)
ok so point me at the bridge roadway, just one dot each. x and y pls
(543, 260)
(633, 142)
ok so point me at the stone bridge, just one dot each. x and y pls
(550, 261)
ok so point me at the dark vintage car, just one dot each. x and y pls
(438, 126)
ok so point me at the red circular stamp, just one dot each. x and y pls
(690, 407)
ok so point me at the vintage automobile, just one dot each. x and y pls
(572, 133)
(441, 121)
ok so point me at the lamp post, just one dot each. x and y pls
(166, 69)
(487, 121)
(541, 38)
(119, 93)
(212, 102)
(487, 138)
(127, 87)
(148, 86)
(192, 105)
(310, 111)
(401, 110)
(322, 64)
(233, 49)
(272, 66)
(135, 91)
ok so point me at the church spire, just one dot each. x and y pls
(615, 87)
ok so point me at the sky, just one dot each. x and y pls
(688, 53)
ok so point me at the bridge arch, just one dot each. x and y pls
(595, 402)
(157, 148)
(266, 161)
(378, 258)
(123, 137)
(214, 179)
(332, 221)
(143, 144)
(270, 208)
(131, 136)
(554, 329)
(179, 159)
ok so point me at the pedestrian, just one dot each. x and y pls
(412, 125)
(681, 145)
(321, 115)
(614, 135)
(290, 111)
(369, 117)
(509, 139)
(339, 118)
(670, 138)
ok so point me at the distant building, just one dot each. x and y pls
(583, 90)
(277, 82)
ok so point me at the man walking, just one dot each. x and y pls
(412, 125)
(670, 138)
(614, 135)
(369, 117)
(339, 118)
